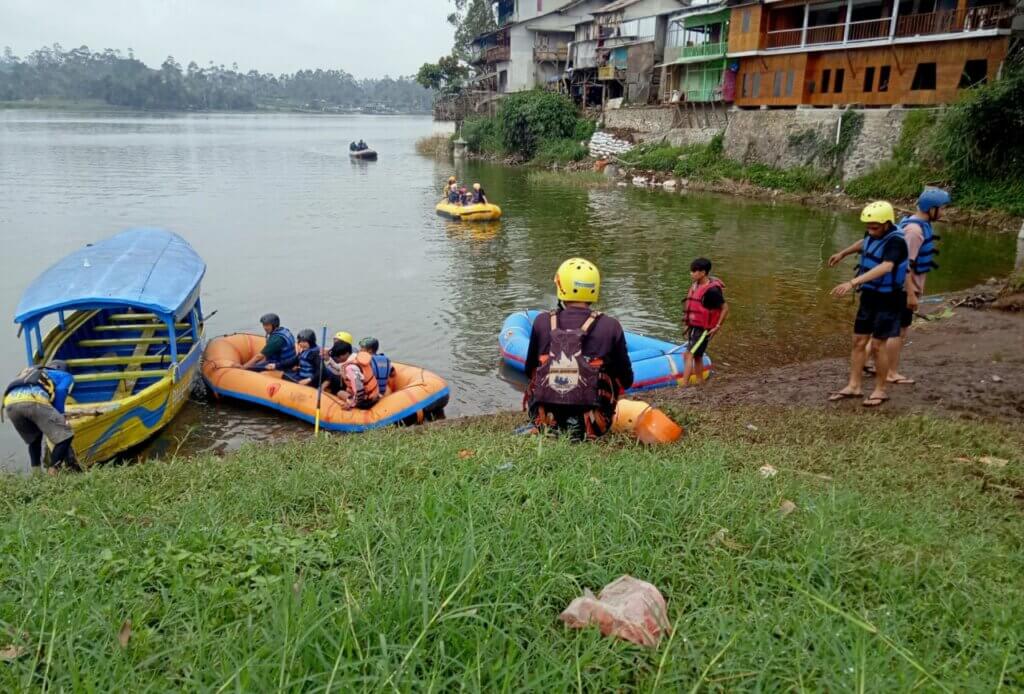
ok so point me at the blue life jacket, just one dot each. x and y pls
(871, 257)
(288, 351)
(51, 385)
(381, 369)
(453, 196)
(923, 263)
(307, 367)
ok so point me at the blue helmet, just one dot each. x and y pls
(933, 197)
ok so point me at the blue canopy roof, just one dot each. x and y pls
(151, 269)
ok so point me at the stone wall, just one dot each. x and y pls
(675, 125)
(807, 137)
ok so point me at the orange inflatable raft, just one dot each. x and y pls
(413, 395)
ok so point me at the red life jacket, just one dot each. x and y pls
(697, 316)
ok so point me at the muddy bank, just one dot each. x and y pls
(969, 363)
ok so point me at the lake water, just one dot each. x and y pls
(287, 223)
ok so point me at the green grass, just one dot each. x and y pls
(581, 179)
(439, 559)
(559, 152)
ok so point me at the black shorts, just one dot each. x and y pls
(880, 315)
(906, 318)
(693, 336)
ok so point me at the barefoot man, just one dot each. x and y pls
(880, 280)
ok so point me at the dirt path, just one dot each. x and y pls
(969, 365)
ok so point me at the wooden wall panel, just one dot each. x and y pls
(741, 41)
(902, 60)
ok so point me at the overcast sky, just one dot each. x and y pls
(368, 38)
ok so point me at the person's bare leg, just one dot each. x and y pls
(858, 355)
(895, 346)
(879, 395)
(687, 368)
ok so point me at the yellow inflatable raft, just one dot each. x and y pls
(413, 395)
(469, 213)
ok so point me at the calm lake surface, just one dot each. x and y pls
(287, 223)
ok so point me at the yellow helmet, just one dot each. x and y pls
(344, 337)
(879, 212)
(578, 280)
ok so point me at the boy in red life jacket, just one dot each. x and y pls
(704, 311)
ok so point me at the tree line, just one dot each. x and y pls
(122, 80)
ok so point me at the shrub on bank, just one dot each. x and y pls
(559, 152)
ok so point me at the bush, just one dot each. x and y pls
(559, 151)
(482, 135)
(891, 180)
(437, 145)
(654, 157)
(528, 118)
(585, 129)
(800, 178)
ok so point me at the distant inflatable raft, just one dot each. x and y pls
(469, 213)
(656, 363)
(414, 395)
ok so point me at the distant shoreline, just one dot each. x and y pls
(96, 105)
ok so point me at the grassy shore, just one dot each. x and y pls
(439, 558)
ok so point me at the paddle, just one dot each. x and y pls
(320, 386)
(699, 342)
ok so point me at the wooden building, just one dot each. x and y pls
(865, 52)
(695, 68)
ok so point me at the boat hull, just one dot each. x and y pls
(656, 363)
(468, 213)
(416, 393)
(364, 155)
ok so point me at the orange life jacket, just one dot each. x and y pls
(370, 392)
(697, 316)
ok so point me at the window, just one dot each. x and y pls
(746, 20)
(756, 91)
(777, 84)
(924, 77)
(883, 79)
(975, 73)
(790, 77)
(746, 85)
(840, 75)
(869, 79)
(826, 78)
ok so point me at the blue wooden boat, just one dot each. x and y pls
(656, 363)
(126, 316)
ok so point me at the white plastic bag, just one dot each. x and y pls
(627, 608)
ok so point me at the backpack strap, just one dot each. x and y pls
(589, 323)
(554, 320)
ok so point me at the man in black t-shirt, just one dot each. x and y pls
(880, 280)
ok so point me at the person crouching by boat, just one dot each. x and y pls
(357, 380)
(305, 368)
(280, 346)
(479, 196)
(35, 402)
(577, 360)
(880, 277)
(383, 370)
(704, 311)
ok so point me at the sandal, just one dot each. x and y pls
(902, 381)
(839, 395)
(875, 402)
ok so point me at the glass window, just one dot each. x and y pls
(924, 77)
(869, 79)
(757, 85)
(840, 77)
(746, 20)
(883, 78)
(746, 85)
(826, 80)
(790, 78)
(777, 84)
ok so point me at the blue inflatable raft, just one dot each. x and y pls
(656, 363)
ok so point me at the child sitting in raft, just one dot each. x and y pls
(358, 382)
(381, 364)
(479, 196)
(304, 368)
(453, 194)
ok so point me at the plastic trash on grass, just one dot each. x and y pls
(627, 608)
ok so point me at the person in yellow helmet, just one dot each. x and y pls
(334, 362)
(577, 360)
(880, 280)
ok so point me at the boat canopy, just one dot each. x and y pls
(152, 269)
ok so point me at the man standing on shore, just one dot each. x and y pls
(921, 251)
(880, 278)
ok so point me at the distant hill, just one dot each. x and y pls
(54, 74)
